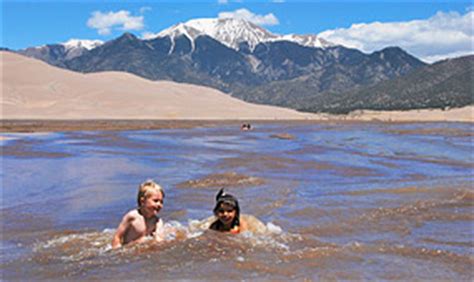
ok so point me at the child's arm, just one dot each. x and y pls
(121, 229)
(244, 226)
(159, 231)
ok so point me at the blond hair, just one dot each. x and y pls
(146, 188)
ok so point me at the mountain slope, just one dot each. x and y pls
(206, 61)
(318, 74)
(445, 84)
(35, 90)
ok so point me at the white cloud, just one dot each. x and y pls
(105, 22)
(444, 35)
(224, 2)
(145, 9)
(244, 14)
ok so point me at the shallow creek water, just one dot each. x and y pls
(340, 202)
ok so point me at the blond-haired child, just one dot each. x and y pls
(143, 221)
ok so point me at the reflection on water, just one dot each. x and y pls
(340, 201)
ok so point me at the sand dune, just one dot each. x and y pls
(35, 90)
(32, 89)
(465, 114)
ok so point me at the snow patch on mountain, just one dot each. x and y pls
(177, 30)
(231, 32)
(53, 53)
(81, 43)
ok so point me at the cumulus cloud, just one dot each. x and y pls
(244, 14)
(122, 20)
(145, 9)
(444, 35)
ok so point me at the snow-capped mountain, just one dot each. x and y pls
(76, 47)
(233, 32)
(56, 54)
(81, 43)
(72, 44)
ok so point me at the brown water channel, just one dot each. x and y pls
(340, 202)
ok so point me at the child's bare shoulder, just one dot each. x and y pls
(131, 215)
(251, 223)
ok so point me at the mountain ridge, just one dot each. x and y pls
(442, 85)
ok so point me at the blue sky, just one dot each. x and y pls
(428, 29)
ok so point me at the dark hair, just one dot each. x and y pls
(228, 199)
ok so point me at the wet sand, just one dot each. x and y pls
(117, 125)
(103, 125)
(219, 180)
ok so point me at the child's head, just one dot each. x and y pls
(226, 205)
(146, 189)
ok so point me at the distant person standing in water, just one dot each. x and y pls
(246, 126)
(143, 221)
(227, 213)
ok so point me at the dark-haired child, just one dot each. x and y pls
(227, 212)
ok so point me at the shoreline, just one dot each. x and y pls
(35, 126)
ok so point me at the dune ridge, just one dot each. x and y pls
(35, 90)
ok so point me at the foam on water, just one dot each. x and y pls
(75, 247)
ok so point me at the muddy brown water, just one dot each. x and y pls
(339, 202)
